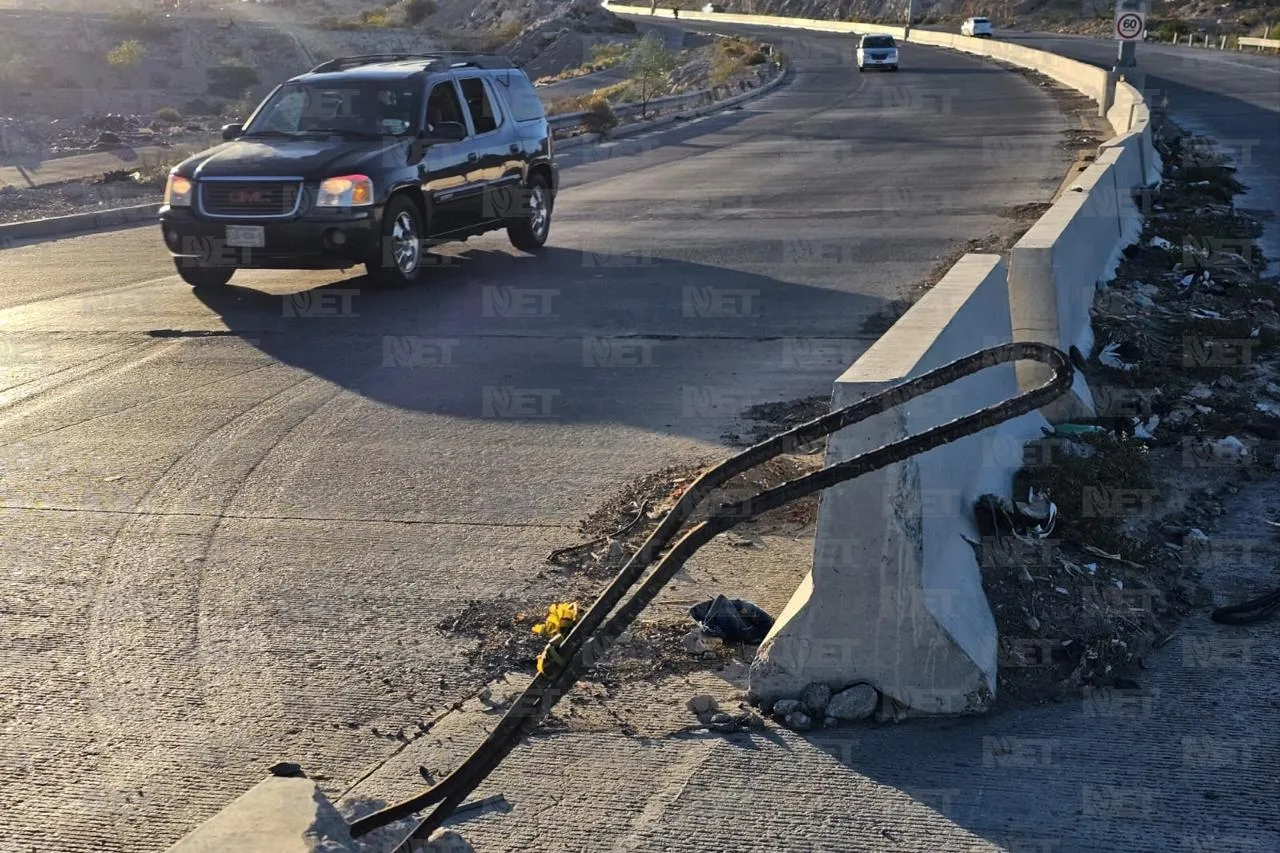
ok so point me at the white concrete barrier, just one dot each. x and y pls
(1058, 266)
(764, 20)
(895, 597)
(1086, 79)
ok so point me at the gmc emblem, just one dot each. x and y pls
(247, 196)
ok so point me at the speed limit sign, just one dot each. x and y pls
(1130, 25)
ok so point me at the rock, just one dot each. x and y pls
(856, 703)
(443, 841)
(1201, 392)
(815, 699)
(1178, 418)
(615, 548)
(1225, 381)
(702, 704)
(721, 719)
(693, 644)
(1033, 623)
(783, 707)
(830, 722)
(798, 721)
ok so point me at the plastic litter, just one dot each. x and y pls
(733, 620)
(1077, 429)
(1146, 429)
(1161, 243)
(1111, 358)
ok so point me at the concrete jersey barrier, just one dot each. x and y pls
(895, 596)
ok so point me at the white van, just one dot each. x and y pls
(976, 27)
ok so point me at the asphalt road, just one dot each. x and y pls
(232, 523)
(1233, 97)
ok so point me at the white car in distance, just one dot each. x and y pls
(976, 27)
(877, 51)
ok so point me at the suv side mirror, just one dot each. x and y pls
(232, 131)
(445, 131)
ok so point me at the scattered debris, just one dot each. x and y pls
(736, 620)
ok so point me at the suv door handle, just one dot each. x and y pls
(473, 157)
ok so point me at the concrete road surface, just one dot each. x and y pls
(233, 522)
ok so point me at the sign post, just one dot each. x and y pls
(1129, 26)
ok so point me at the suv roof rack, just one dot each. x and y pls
(460, 59)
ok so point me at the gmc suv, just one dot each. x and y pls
(366, 160)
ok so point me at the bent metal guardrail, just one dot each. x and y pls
(589, 638)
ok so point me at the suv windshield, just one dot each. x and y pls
(352, 107)
(878, 41)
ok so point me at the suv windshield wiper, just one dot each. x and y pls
(271, 132)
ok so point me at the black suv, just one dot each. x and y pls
(366, 160)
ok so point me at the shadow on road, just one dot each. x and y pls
(566, 335)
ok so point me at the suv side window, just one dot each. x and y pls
(443, 105)
(523, 100)
(484, 113)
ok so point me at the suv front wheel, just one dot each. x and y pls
(199, 276)
(400, 251)
(529, 232)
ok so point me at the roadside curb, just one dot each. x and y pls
(697, 112)
(56, 226)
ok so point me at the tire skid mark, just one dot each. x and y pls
(47, 394)
(147, 687)
(81, 293)
(187, 389)
(35, 392)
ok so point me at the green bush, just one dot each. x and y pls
(169, 114)
(600, 117)
(126, 54)
(230, 80)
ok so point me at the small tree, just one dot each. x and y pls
(127, 54)
(649, 61)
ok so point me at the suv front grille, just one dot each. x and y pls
(250, 198)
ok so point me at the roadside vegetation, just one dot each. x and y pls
(732, 56)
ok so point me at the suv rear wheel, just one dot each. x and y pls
(399, 260)
(197, 275)
(529, 232)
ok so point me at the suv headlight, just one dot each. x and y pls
(177, 191)
(346, 191)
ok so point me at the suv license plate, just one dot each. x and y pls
(246, 236)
